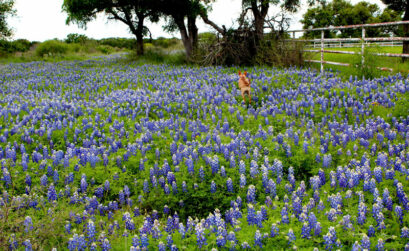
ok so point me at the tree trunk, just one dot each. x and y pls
(405, 48)
(139, 36)
(193, 31)
(259, 17)
(185, 36)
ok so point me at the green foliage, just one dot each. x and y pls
(158, 56)
(76, 38)
(8, 47)
(165, 42)
(342, 12)
(52, 48)
(368, 67)
(105, 49)
(126, 43)
(207, 37)
(401, 106)
(6, 10)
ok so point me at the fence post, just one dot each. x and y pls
(363, 46)
(322, 51)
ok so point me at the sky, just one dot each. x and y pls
(40, 20)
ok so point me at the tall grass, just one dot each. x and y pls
(371, 60)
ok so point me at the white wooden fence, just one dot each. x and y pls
(363, 41)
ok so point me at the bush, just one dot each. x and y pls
(105, 49)
(52, 48)
(75, 47)
(367, 69)
(123, 43)
(20, 45)
(158, 56)
(76, 38)
(165, 42)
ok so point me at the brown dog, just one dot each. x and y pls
(244, 85)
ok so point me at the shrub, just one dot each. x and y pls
(366, 69)
(21, 45)
(76, 38)
(52, 48)
(105, 49)
(126, 43)
(164, 42)
(8, 47)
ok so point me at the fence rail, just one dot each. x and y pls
(340, 44)
(363, 40)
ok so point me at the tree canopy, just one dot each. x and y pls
(401, 6)
(6, 10)
(130, 12)
(342, 12)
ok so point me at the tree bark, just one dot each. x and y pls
(205, 18)
(136, 31)
(405, 48)
(139, 35)
(193, 31)
(259, 17)
(185, 36)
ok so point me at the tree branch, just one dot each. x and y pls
(205, 18)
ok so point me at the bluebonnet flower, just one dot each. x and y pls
(200, 235)
(258, 239)
(44, 180)
(251, 194)
(274, 230)
(213, 187)
(161, 246)
(28, 223)
(166, 189)
(144, 241)
(84, 185)
(365, 242)
(105, 245)
(27, 245)
(220, 241)
(305, 231)
(378, 174)
(284, 215)
(291, 236)
(201, 173)
(371, 231)
(253, 169)
(259, 219)
(91, 231)
(13, 243)
(399, 213)
(229, 185)
(242, 181)
(28, 180)
(317, 229)
(381, 245)
(330, 239)
(51, 194)
(251, 215)
(245, 245)
(356, 246)
(242, 167)
(404, 232)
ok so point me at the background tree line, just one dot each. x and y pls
(249, 36)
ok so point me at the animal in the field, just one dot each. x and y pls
(244, 85)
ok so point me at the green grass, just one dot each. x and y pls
(376, 61)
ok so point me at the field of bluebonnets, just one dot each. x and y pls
(103, 154)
